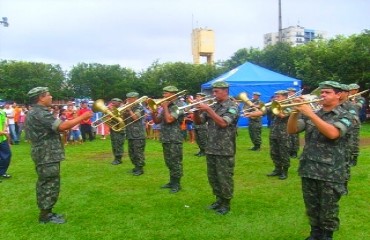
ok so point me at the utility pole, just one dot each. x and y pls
(5, 22)
(280, 24)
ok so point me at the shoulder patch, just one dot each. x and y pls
(345, 121)
(232, 111)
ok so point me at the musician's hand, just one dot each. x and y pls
(165, 104)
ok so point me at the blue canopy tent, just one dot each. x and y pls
(250, 78)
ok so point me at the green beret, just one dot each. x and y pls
(292, 89)
(37, 91)
(171, 89)
(345, 87)
(201, 94)
(353, 86)
(220, 84)
(257, 93)
(282, 92)
(116, 100)
(132, 94)
(330, 85)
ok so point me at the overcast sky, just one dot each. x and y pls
(135, 33)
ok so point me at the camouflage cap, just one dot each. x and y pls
(132, 94)
(353, 86)
(37, 91)
(291, 89)
(330, 85)
(116, 100)
(257, 93)
(345, 87)
(201, 94)
(171, 89)
(281, 92)
(220, 84)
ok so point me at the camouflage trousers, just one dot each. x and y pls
(279, 152)
(136, 148)
(355, 141)
(220, 171)
(255, 130)
(117, 140)
(172, 153)
(293, 143)
(201, 138)
(321, 199)
(48, 185)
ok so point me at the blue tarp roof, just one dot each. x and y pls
(250, 78)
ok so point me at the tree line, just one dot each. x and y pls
(342, 59)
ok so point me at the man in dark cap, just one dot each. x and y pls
(279, 139)
(293, 138)
(47, 150)
(322, 165)
(222, 119)
(171, 136)
(117, 134)
(135, 132)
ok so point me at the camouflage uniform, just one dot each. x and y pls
(117, 139)
(359, 102)
(201, 137)
(46, 151)
(323, 168)
(255, 126)
(172, 140)
(221, 148)
(136, 137)
(279, 144)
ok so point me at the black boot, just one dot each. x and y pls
(284, 174)
(224, 207)
(315, 234)
(327, 235)
(216, 204)
(275, 172)
(138, 171)
(117, 160)
(169, 184)
(175, 187)
(256, 148)
(46, 216)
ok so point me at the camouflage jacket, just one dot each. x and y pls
(221, 141)
(42, 129)
(136, 129)
(256, 103)
(279, 125)
(171, 132)
(323, 158)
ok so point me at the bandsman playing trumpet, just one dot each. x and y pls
(222, 118)
(322, 165)
(200, 130)
(135, 133)
(171, 136)
(117, 137)
(279, 139)
(254, 112)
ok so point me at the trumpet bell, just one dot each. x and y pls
(99, 106)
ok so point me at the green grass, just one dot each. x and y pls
(102, 201)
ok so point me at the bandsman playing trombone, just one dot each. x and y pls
(171, 136)
(135, 132)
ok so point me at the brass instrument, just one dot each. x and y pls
(211, 101)
(357, 94)
(153, 104)
(244, 97)
(113, 117)
(259, 107)
(277, 107)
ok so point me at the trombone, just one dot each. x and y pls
(357, 94)
(211, 101)
(277, 107)
(153, 104)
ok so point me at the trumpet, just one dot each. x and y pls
(259, 107)
(153, 104)
(211, 101)
(357, 94)
(277, 107)
(113, 117)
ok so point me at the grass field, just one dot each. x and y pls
(102, 201)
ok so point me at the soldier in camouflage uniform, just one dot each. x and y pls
(279, 139)
(322, 164)
(135, 133)
(171, 136)
(254, 111)
(293, 138)
(222, 119)
(358, 102)
(47, 150)
(117, 137)
(200, 131)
